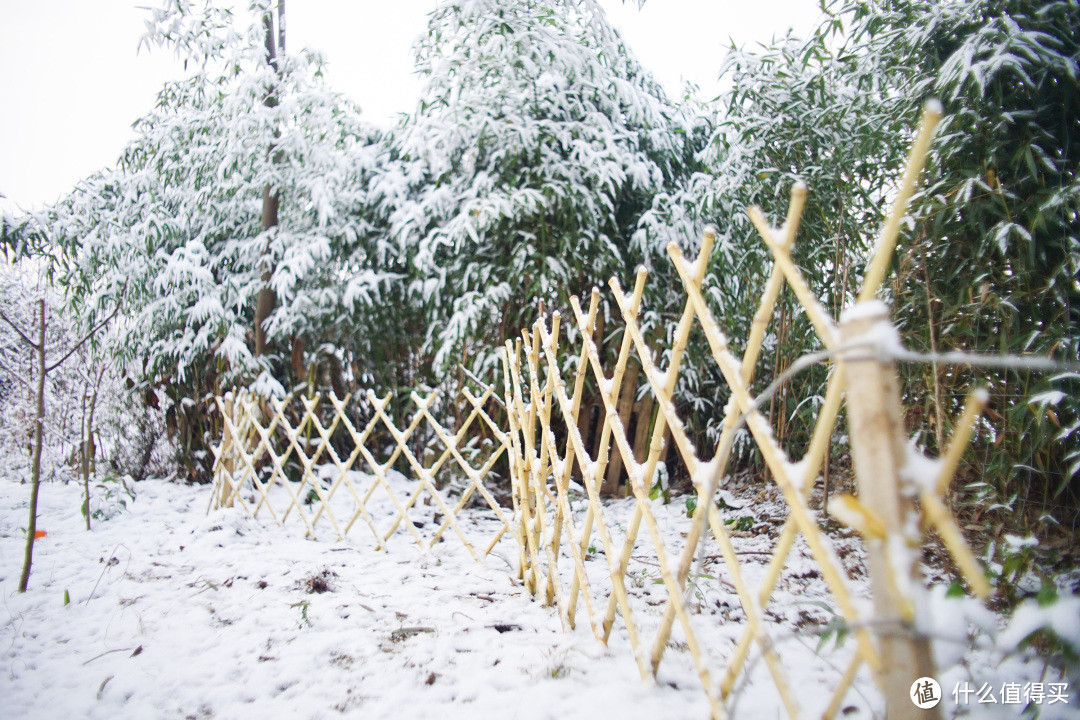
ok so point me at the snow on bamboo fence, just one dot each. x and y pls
(556, 534)
(889, 475)
(323, 469)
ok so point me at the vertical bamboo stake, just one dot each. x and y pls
(587, 330)
(537, 473)
(878, 448)
(518, 468)
(227, 463)
(546, 466)
(598, 402)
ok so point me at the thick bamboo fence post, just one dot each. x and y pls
(228, 477)
(879, 450)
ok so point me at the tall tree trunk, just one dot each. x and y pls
(267, 300)
(297, 359)
(35, 463)
(336, 371)
(84, 465)
(89, 450)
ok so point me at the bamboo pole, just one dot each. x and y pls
(879, 452)
(775, 458)
(886, 243)
(623, 409)
(583, 459)
(706, 487)
(537, 456)
(526, 497)
(934, 509)
(225, 473)
(595, 506)
(516, 459)
(551, 345)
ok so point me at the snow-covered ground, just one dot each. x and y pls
(174, 613)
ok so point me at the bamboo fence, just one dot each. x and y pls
(884, 514)
(335, 489)
(546, 451)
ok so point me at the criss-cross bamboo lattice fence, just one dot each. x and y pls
(557, 540)
(316, 467)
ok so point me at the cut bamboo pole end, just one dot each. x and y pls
(938, 515)
(708, 240)
(796, 204)
(965, 429)
(883, 249)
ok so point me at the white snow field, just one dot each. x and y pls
(174, 613)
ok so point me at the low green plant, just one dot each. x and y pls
(743, 523)
(110, 497)
(304, 621)
(659, 491)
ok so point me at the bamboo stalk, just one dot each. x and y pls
(596, 510)
(842, 687)
(551, 343)
(623, 409)
(878, 448)
(965, 429)
(526, 495)
(886, 242)
(775, 459)
(537, 458)
(583, 459)
(516, 458)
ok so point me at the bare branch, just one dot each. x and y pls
(483, 385)
(86, 337)
(15, 327)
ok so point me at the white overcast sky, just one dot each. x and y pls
(71, 82)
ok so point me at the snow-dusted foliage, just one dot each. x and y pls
(994, 253)
(797, 110)
(174, 230)
(989, 259)
(127, 434)
(537, 144)
(21, 289)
